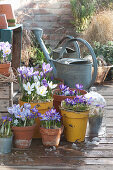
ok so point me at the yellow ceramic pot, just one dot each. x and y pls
(43, 107)
(75, 124)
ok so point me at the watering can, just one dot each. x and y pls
(73, 70)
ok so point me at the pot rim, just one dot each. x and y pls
(37, 101)
(78, 112)
(26, 127)
(56, 90)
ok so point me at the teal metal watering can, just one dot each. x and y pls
(67, 63)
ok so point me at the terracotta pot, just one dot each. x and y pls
(42, 108)
(57, 98)
(3, 21)
(51, 137)
(4, 69)
(23, 136)
(7, 9)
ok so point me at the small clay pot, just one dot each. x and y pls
(22, 136)
(51, 137)
(4, 69)
(7, 9)
(3, 21)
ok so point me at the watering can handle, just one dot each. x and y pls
(76, 45)
(92, 54)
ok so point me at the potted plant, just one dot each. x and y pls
(65, 92)
(36, 89)
(5, 135)
(96, 112)
(75, 115)
(50, 128)
(23, 124)
(5, 57)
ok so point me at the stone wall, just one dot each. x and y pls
(53, 16)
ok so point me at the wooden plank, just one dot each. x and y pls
(106, 140)
(3, 105)
(72, 167)
(109, 101)
(4, 92)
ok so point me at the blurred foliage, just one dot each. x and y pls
(36, 54)
(105, 50)
(83, 10)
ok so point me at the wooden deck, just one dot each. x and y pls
(66, 156)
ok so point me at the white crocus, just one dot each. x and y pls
(37, 84)
(16, 122)
(51, 85)
(28, 87)
(36, 79)
(42, 91)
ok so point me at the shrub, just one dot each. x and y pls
(101, 28)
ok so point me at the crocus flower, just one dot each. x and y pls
(27, 106)
(16, 122)
(28, 87)
(4, 118)
(10, 119)
(36, 79)
(46, 68)
(79, 86)
(42, 91)
(51, 85)
(44, 83)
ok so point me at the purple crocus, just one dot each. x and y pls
(44, 83)
(62, 87)
(10, 119)
(79, 86)
(4, 118)
(27, 106)
(23, 114)
(46, 68)
(50, 119)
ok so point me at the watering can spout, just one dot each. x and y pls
(38, 32)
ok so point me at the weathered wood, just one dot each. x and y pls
(6, 96)
(73, 167)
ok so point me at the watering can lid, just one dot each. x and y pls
(74, 61)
